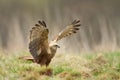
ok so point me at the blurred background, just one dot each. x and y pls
(100, 19)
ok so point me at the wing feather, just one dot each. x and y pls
(38, 39)
(69, 30)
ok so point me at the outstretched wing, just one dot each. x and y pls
(69, 30)
(38, 39)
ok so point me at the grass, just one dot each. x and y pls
(99, 66)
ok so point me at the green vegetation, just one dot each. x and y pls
(99, 66)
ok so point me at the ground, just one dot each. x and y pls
(94, 66)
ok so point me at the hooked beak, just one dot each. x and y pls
(58, 46)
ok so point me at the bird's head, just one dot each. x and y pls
(54, 45)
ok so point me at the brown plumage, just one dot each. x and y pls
(43, 51)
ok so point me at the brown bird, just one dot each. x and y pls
(42, 50)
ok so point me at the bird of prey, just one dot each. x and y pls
(43, 51)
